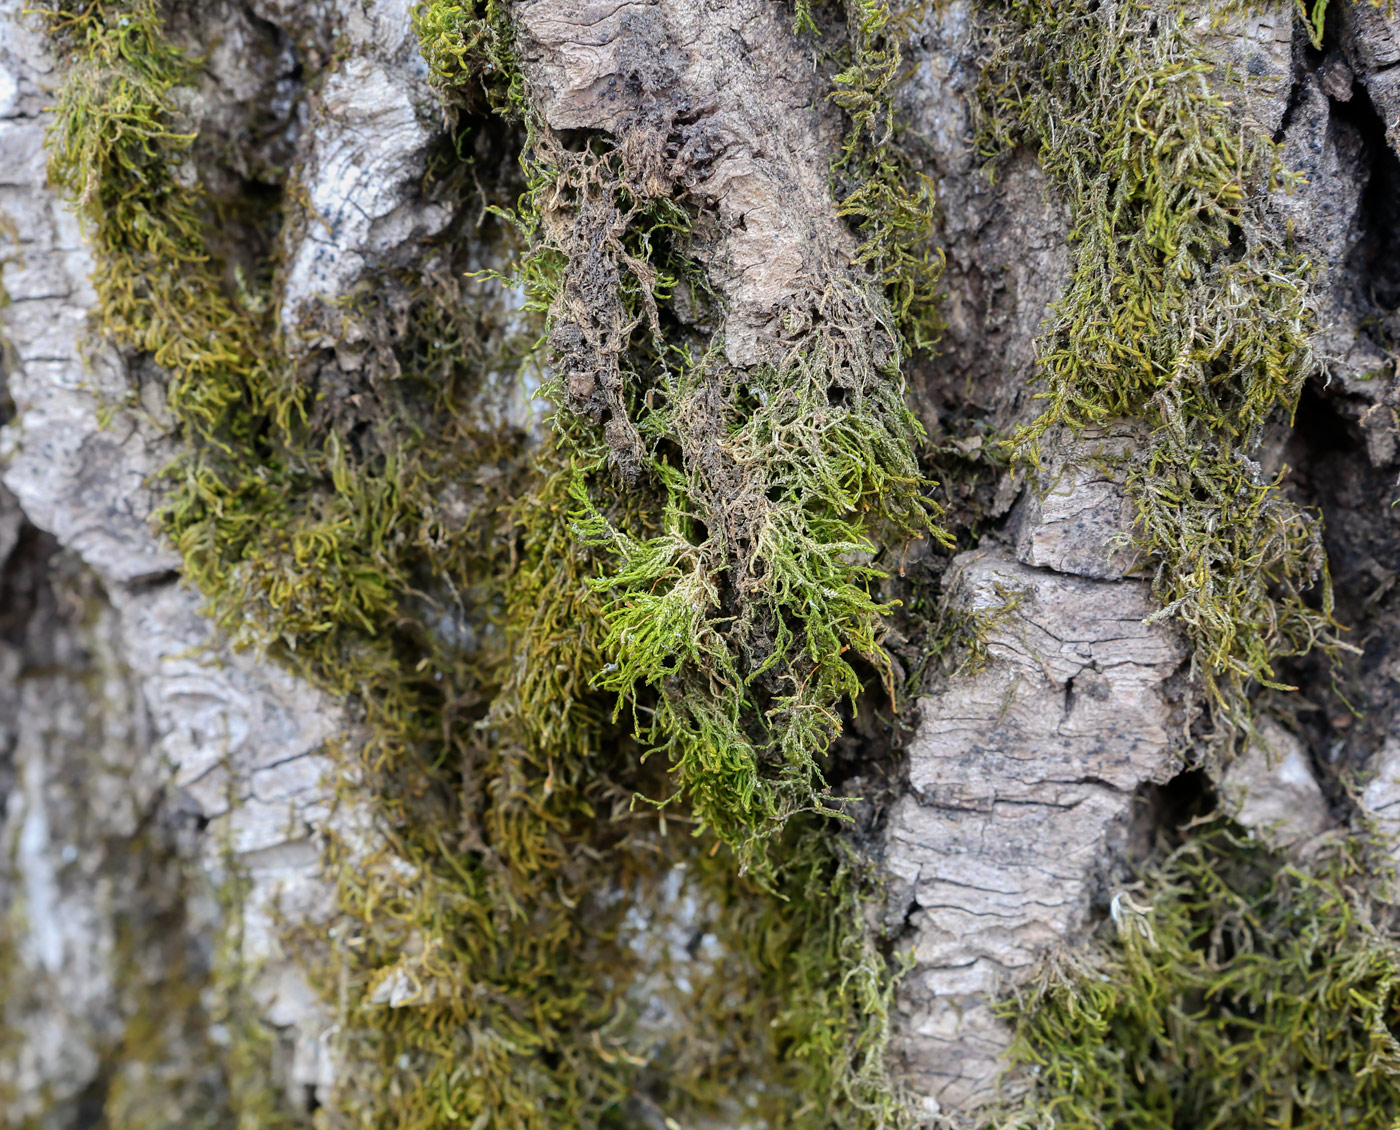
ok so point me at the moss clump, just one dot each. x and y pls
(469, 51)
(1185, 308)
(814, 1031)
(305, 538)
(114, 151)
(747, 690)
(740, 604)
(1238, 991)
(607, 245)
(888, 202)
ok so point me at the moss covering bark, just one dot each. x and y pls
(485, 960)
(1230, 988)
(1186, 308)
(675, 593)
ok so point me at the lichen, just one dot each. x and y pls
(1186, 308)
(169, 1047)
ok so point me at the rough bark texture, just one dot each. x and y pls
(734, 91)
(1023, 777)
(142, 757)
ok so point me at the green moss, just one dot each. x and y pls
(674, 660)
(739, 605)
(1239, 990)
(1233, 990)
(820, 1013)
(887, 200)
(1185, 308)
(11, 1034)
(1315, 18)
(469, 51)
(746, 698)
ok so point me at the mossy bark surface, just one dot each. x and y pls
(716, 564)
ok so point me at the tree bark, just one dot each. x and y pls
(168, 795)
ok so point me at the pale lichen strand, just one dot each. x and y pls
(500, 780)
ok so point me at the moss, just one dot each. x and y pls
(1315, 18)
(246, 1049)
(485, 601)
(1233, 989)
(819, 1015)
(1313, 14)
(740, 610)
(887, 200)
(469, 51)
(587, 552)
(1238, 990)
(1185, 308)
(11, 1034)
(523, 626)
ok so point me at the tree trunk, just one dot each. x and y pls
(707, 563)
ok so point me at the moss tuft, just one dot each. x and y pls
(740, 605)
(886, 199)
(1238, 991)
(495, 604)
(469, 50)
(1185, 308)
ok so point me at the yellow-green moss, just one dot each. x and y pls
(469, 51)
(1185, 308)
(1233, 990)
(1240, 990)
(738, 606)
(888, 201)
(499, 776)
